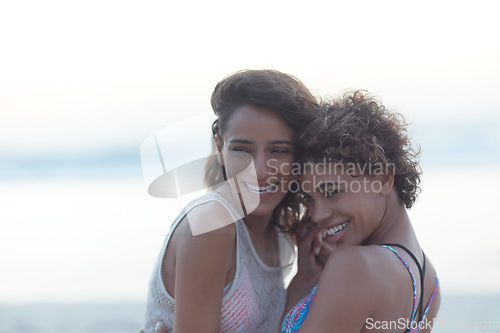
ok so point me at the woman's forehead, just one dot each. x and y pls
(249, 122)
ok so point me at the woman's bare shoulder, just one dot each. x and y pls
(188, 254)
(367, 276)
(359, 259)
(346, 283)
(358, 270)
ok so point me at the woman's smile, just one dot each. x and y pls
(333, 234)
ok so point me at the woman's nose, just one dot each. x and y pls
(261, 167)
(319, 212)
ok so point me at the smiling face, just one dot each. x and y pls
(257, 150)
(348, 208)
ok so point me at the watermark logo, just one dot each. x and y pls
(174, 163)
(432, 323)
(176, 158)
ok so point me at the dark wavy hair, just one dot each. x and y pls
(358, 129)
(277, 92)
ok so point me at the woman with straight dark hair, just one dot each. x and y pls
(229, 278)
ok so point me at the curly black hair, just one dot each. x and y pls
(358, 129)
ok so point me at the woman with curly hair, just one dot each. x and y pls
(359, 175)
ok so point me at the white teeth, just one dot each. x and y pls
(335, 230)
(261, 189)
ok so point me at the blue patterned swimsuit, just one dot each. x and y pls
(296, 316)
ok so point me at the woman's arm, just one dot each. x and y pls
(346, 294)
(202, 265)
(312, 255)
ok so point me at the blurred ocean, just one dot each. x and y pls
(458, 313)
(79, 238)
(72, 318)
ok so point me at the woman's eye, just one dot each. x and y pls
(332, 193)
(281, 151)
(241, 149)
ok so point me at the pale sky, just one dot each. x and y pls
(80, 77)
(75, 75)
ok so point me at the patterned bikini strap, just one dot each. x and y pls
(413, 311)
(421, 272)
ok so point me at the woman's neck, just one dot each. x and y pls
(258, 225)
(395, 226)
(263, 236)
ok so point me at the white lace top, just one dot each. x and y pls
(253, 302)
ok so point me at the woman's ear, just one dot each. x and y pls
(387, 183)
(218, 145)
